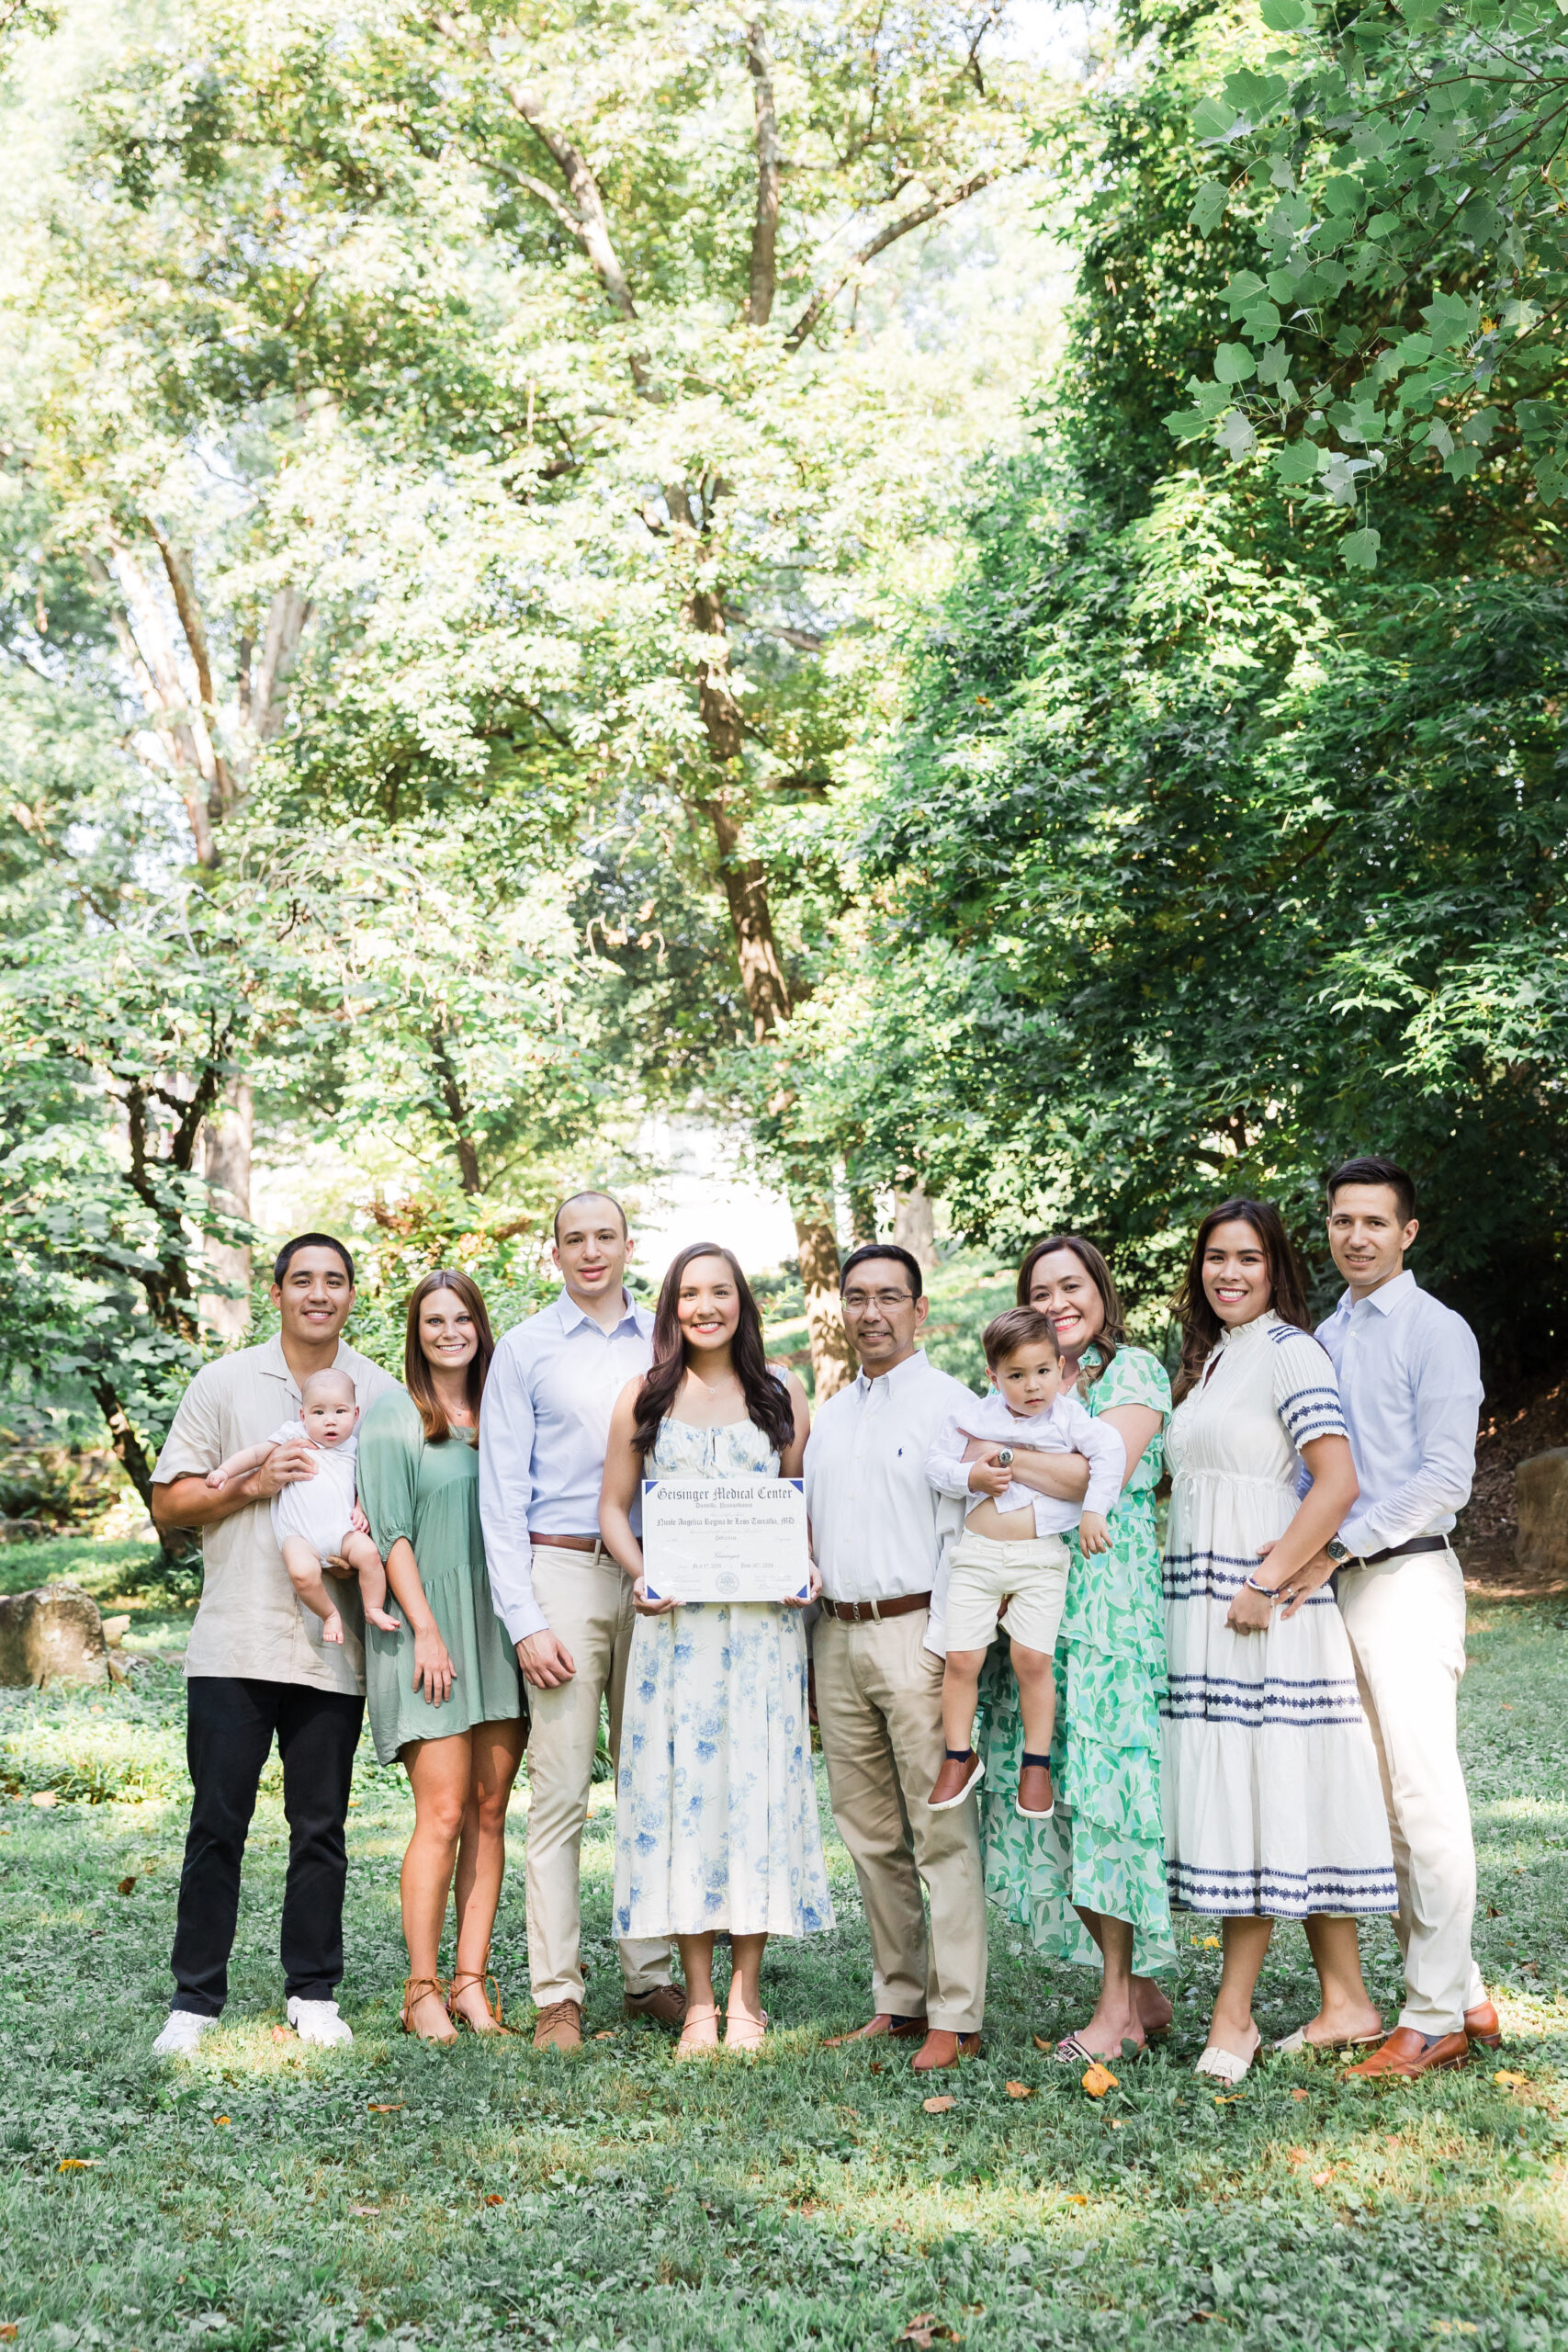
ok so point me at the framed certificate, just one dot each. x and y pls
(730, 1538)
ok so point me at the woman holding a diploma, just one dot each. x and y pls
(716, 1805)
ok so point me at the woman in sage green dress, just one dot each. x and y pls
(444, 1692)
(1090, 1885)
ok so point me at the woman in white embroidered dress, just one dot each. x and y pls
(1272, 1804)
(716, 1804)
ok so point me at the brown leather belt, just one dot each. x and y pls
(1398, 1551)
(594, 1543)
(872, 1613)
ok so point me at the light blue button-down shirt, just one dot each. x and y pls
(1409, 1374)
(544, 1427)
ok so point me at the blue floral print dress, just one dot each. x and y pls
(715, 1802)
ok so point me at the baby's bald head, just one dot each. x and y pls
(326, 1388)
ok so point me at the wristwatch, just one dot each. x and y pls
(1338, 1553)
(1004, 1456)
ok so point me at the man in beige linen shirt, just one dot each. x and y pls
(256, 1667)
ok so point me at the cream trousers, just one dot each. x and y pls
(1405, 1620)
(588, 1605)
(879, 1709)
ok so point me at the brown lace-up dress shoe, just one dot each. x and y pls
(901, 2029)
(558, 2026)
(666, 2005)
(1409, 2053)
(1483, 2025)
(940, 2049)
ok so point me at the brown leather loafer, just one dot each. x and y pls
(1409, 2053)
(558, 2026)
(901, 2029)
(942, 2049)
(1483, 2025)
(666, 2005)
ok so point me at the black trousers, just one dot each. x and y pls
(230, 1726)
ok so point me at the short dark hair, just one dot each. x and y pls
(1021, 1327)
(1375, 1170)
(291, 1250)
(890, 1250)
(588, 1192)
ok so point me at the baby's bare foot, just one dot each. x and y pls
(388, 1624)
(332, 1628)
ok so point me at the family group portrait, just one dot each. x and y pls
(783, 1289)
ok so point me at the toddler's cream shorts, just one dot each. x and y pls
(1031, 1577)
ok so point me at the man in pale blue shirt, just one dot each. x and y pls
(1409, 1376)
(564, 1601)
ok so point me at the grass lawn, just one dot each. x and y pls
(262, 2196)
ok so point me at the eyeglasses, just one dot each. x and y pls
(885, 1299)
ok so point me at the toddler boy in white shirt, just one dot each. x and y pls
(319, 1519)
(1010, 1555)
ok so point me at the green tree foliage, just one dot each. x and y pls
(1398, 174)
(1209, 861)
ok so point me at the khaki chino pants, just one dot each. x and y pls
(879, 1710)
(1405, 1620)
(587, 1605)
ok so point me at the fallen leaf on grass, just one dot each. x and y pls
(1041, 2043)
(1205, 1943)
(875, 2067)
(386, 2107)
(78, 2164)
(493, 2199)
(283, 2033)
(1229, 2099)
(9, 2328)
(939, 2105)
(126, 1886)
(1321, 2179)
(605, 2034)
(220, 2118)
(1509, 2081)
(45, 1797)
(365, 2212)
(1076, 2197)
(1019, 2090)
(1298, 2094)
(1098, 2080)
(925, 2329)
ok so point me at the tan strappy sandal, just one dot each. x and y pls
(690, 2048)
(489, 1994)
(416, 1988)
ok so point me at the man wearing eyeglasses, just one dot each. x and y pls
(881, 1533)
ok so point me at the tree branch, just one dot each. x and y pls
(826, 296)
(182, 585)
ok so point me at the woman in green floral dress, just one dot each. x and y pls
(1094, 1875)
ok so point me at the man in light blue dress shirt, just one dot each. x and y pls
(1409, 1375)
(564, 1601)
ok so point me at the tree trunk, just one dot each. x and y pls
(914, 1227)
(226, 1164)
(832, 1359)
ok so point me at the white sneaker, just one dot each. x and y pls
(183, 2030)
(317, 2020)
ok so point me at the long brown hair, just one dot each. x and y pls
(767, 1399)
(1200, 1327)
(416, 1364)
(1113, 1332)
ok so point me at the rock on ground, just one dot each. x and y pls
(54, 1634)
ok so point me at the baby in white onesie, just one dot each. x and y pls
(319, 1519)
(1010, 1555)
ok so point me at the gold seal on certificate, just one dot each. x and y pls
(725, 1539)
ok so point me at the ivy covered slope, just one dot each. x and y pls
(1209, 858)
